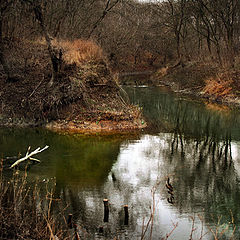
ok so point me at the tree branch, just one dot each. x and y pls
(29, 155)
(105, 12)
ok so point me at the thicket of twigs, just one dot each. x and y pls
(26, 212)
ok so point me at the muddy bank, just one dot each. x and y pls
(102, 126)
(136, 78)
(206, 81)
(84, 96)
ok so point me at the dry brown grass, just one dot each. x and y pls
(76, 51)
(79, 51)
(219, 87)
(26, 213)
(162, 72)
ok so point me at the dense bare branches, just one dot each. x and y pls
(150, 33)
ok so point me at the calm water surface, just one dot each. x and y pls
(195, 144)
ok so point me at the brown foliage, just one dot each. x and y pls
(217, 107)
(79, 51)
(219, 87)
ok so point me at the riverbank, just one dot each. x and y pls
(84, 97)
(203, 80)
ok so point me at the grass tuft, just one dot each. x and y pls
(26, 212)
(219, 87)
(79, 51)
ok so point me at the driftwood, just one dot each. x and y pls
(29, 155)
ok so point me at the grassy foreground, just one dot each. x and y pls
(25, 213)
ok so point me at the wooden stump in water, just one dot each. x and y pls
(101, 229)
(126, 214)
(69, 221)
(77, 237)
(106, 210)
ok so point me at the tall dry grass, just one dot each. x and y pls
(25, 213)
(79, 51)
(219, 87)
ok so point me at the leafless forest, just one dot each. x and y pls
(132, 33)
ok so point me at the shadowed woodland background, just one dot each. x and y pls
(132, 33)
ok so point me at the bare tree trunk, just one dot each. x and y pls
(54, 59)
(3, 60)
(2, 57)
(230, 48)
(219, 53)
(209, 44)
(178, 45)
(106, 10)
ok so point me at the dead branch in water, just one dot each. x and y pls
(29, 155)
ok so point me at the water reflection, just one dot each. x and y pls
(193, 144)
(208, 182)
(171, 113)
(71, 159)
(203, 145)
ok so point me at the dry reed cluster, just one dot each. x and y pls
(221, 86)
(25, 212)
(79, 51)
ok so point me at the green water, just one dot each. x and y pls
(196, 145)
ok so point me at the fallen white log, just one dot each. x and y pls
(29, 155)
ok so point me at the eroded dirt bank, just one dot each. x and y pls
(84, 97)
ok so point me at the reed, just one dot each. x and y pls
(79, 51)
(25, 212)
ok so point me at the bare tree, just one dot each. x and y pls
(4, 7)
(217, 23)
(37, 8)
(107, 9)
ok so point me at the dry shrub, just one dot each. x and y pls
(79, 51)
(221, 86)
(26, 212)
(162, 72)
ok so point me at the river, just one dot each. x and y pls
(194, 144)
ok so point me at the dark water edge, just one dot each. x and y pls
(166, 111)
(195, 144)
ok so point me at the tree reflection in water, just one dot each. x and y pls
(190, 143)
(202, 153)
(195, 145)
